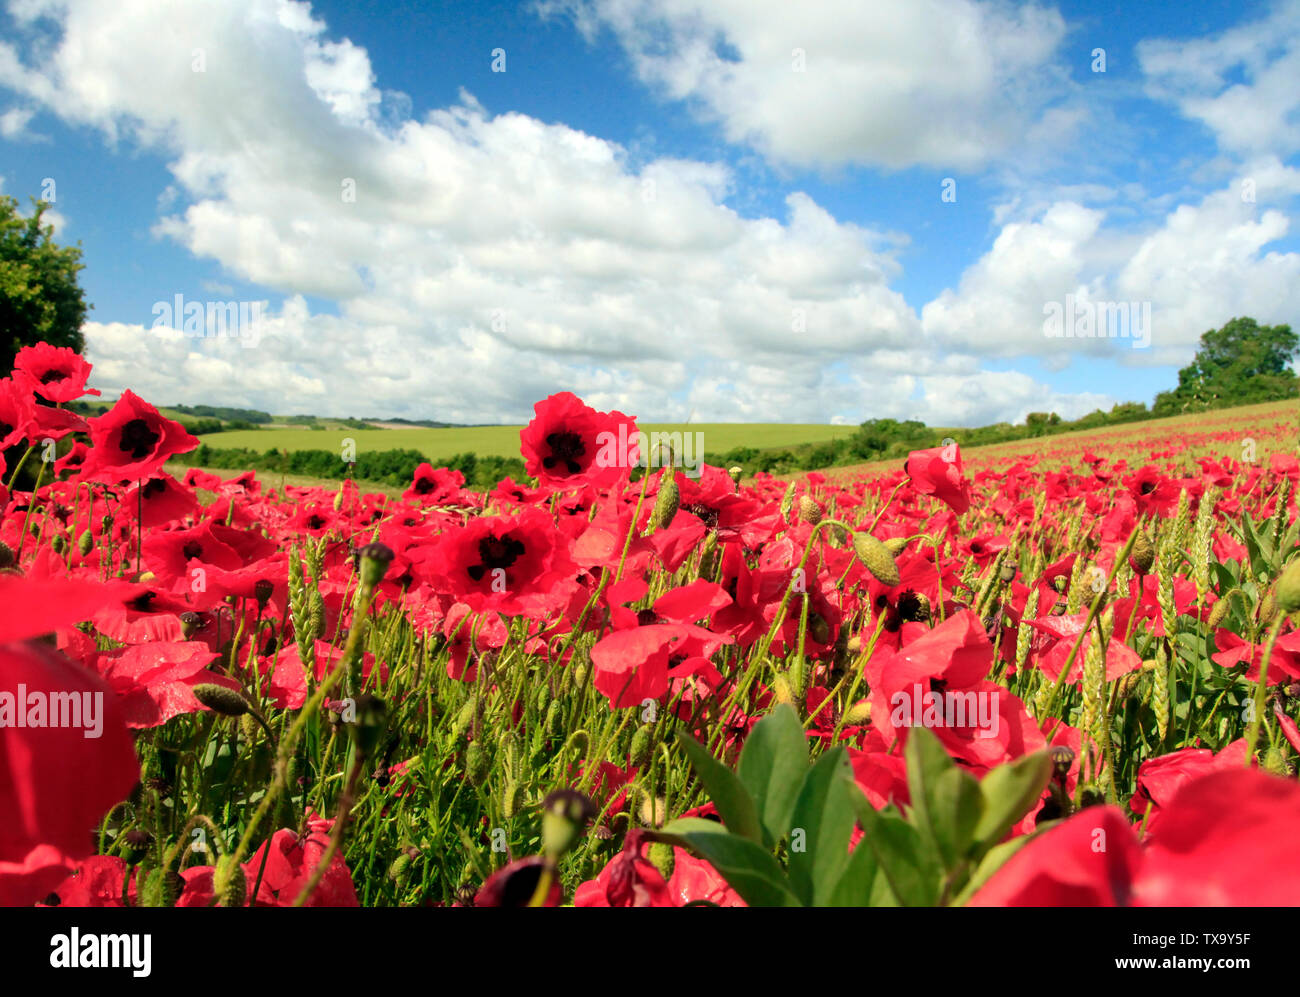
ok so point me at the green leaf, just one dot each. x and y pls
(946, 801)
(907, 863)
(825, 812)
(772, 768)
(748, 868)
(735, 805)
(1009, 792)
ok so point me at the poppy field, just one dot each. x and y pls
(1066, 676)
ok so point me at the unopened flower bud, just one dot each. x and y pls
(85, 543)
(810, 511)
(667, 501)
(221, 700)
(875, 555)
(1143, 554)
(1287, 591)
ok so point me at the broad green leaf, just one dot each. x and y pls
(906, 861)
(735, 805)
(772, 767)
(825, 813)
(1009, 792)
(748, 868)
(946, 801)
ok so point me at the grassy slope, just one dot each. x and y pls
(1273, 426)
(503, 441)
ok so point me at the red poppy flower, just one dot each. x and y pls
(515, 885)
(435, 485)
(938, 472)
(568, 443)
(66, 757)
(16, 409)
(132, 441)
(56, 373)
(512, 564)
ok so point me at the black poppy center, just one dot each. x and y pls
(138, 439)
(938, 685)
(153, 487)
(315, 523)
(423, 486)
(5, 429)
(1147, 488)
(566, 448)
(144, 601)
(191, 549)
(53, 377)
(494, 553)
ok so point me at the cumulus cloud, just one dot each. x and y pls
(843, 82)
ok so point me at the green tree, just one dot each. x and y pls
(1242, 363)
(40, 298)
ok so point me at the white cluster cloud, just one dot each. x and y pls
(481, 262)
(950, 83)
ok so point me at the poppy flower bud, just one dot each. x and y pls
(781, 690)
(896, 545)
(1143, 554)
(564, 816)
(338, 498)
(221, 700)
(1268, 607)
(399, 866)
(735, 473)
(651, 809)
(858, 714)
(810, 511)
(1008, 571)
(1219, 612)
(660, 855)
(511, 798)
(58, 543)
(476, 764)
(639, 753)
(875, 555)
(374, 561)
(1287, 590)
(666, 502)
(85, 543)
(234, 885)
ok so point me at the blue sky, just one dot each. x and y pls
(721, 211)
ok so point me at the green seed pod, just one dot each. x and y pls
(896, 545)
(511, 798)
(221, 700)
(661, 856)
(667, 501)
(85, 543)
(858, 714)
(1287, 590)
(875, 555)
(58, 543)
(1143, 554)
(476, 764)
(1220, 611)
(641, 744)
(810, 511)
(236, 887)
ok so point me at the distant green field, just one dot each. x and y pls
(503, 441)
